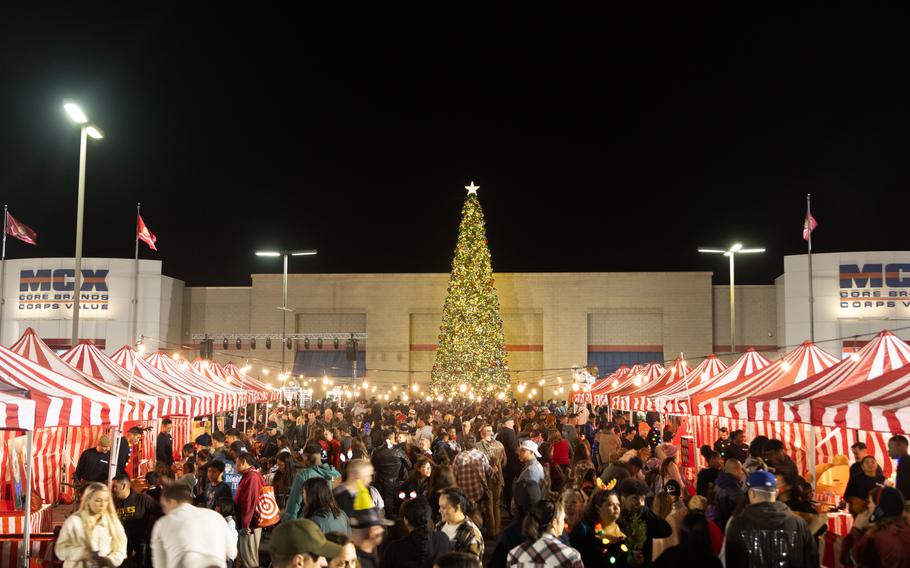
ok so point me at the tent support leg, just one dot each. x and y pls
(27, 516)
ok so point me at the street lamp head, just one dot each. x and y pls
(74, 112)
(711, 250)
(736, 247)
(94, 132)
(753, 250)
(267, 253)
(303, 252)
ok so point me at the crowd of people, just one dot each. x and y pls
(470, 483)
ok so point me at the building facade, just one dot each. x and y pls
(552, 321)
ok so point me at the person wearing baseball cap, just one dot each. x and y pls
(300, 544)
(747, 533)
(94, 462)
(528, 488)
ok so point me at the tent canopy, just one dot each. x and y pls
(792, 403)
(881, 404)
(17, 413)
(728, 399)
(59, 401)
(30, 346)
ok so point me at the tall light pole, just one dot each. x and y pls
(731, 252)
(87, 129)
(284, 291)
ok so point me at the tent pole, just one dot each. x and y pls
(811, 456)
(27, 516)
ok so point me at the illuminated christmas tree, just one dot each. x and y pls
(471, 355)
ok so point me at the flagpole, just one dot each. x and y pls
(135, 331)
(811, 298)
(3, 274)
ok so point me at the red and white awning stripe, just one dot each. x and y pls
(213, 372)
(749, 362)
(642, 399)
(59, 401)
(650, 373)
(224, 400)
(30, 346)
(881, 404)
(675, 398)
(729, 399)
(603, 385)
(192, 403)
(16, 412)
(245, 381)
(792, 403)
(91, 361)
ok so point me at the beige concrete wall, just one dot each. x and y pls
(171, 323)
(404, 310)
(756, 319)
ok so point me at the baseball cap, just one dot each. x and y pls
(301, 536)
(531, 447)
(762, 480)
(105, 442)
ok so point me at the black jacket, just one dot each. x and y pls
(771, 532)
(392, 466)
(403, 552)
(164, 448)
(728, 495)
(123, 455)
(93, 466)
(509, 440)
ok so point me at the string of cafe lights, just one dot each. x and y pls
(519, 384)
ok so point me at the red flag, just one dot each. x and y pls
(20, 230)
(809, 225)
(145, 235)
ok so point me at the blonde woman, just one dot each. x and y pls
(93, 535)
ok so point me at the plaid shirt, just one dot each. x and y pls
(545, 552)
(468, 538)
(472, 469)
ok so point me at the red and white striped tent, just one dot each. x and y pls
(241, 380)
(638, 375)
(727, 395)
(677, 402)
(615, 383)
(91, 361)
(202, 402)
(881, 404)
(623, 400)
(224, 399)
(674, 399)
(213, 372)
(642, 398)
(791, 403)
(59, 401)
(17, 413)
(141, 407)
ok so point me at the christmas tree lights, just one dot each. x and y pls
(471, 355)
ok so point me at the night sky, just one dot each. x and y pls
(601, 141)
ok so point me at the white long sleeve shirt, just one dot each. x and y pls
(190, 537)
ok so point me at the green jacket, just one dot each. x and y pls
(295, 497)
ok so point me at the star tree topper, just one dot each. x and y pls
(472, 189)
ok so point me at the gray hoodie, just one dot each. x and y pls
(769, 534)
